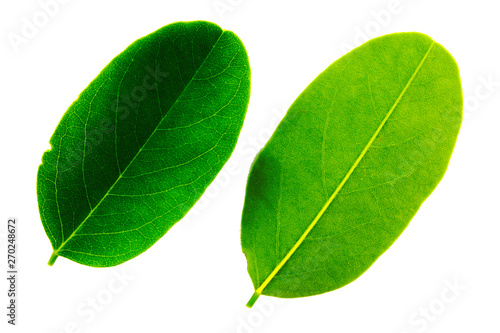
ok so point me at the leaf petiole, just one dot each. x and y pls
(253, 299)
(53, 258)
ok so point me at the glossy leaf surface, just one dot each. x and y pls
(142, 142)
(349, 165)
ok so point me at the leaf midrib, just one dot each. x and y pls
(259, 290)
(56, 251)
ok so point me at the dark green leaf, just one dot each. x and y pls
(142, 142)
(348, 167)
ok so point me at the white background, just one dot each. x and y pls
(194, 279)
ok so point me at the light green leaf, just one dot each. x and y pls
(142, 142)
(348, 167)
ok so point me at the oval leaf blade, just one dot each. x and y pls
(349, 165)
(142, 142)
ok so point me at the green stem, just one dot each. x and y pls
(253, 299)
(53, 258)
